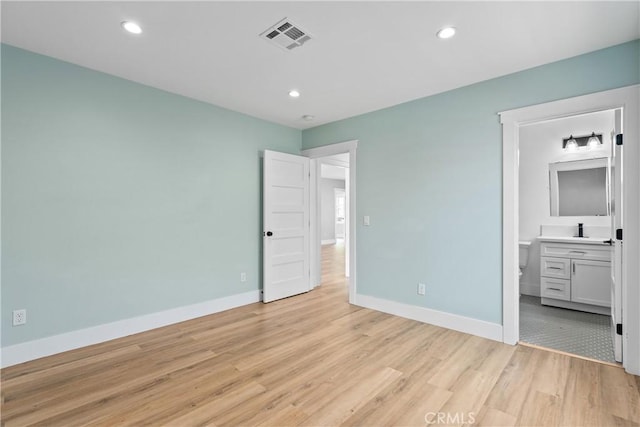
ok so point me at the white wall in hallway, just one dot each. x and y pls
(328, 207)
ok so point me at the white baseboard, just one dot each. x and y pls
(532, 289)
(30, 350)
(328, 242)
(576, 306)
(481, 328)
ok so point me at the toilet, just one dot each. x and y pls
(523, 254)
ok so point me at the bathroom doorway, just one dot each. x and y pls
(626, 101)
(561, 185)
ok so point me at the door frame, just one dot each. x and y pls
(626, 98)
(350, 188)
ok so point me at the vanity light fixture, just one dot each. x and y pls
(446, 33)
(571, 144)
(131, 27)
(594, 141)
(588, 141)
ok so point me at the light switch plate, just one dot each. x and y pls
(366, 220)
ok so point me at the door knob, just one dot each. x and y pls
(269, 234)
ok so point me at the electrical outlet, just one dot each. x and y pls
(243, 277)
(19, 317)
(422, 289)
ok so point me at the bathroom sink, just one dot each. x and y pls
(569, 239)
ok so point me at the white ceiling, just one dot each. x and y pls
(332, 172)
(364, 55)
(337, 159)
(334, 167)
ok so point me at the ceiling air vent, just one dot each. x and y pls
(286, 35)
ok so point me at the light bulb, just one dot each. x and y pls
(131, 27)
(446, 33)
(572, 144)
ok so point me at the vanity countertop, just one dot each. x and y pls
(568, 239)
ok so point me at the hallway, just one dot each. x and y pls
(333, 264)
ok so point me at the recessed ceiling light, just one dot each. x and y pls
(131, 27)
(446, 33)
(308, 117)
(294, 93)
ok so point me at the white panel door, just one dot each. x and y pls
(616, 223)
(286, 225)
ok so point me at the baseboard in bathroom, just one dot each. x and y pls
(530, 289)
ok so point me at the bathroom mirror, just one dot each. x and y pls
(580, 187)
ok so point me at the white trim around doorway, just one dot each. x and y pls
(324, 151)
(626, 98)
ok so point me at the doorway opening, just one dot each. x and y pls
(627, 101)
(340, 213)
(333, 171)
(566, 282)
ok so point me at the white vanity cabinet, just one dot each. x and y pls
(576, 275)
(591, 282)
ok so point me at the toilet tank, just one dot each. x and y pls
(523, 254)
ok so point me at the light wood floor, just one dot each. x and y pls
(314, 360)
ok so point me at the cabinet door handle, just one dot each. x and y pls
(555, 289)
(554, 268)
(574, 267)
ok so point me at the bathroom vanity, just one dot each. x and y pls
(575, 273)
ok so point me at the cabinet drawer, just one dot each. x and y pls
(559, 268)
(555, 288)
(576, 251)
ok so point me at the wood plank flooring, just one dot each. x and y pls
(314, 360)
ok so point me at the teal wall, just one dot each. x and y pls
(120, 200)
(429, 173)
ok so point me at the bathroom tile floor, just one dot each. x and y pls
(576, 332)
